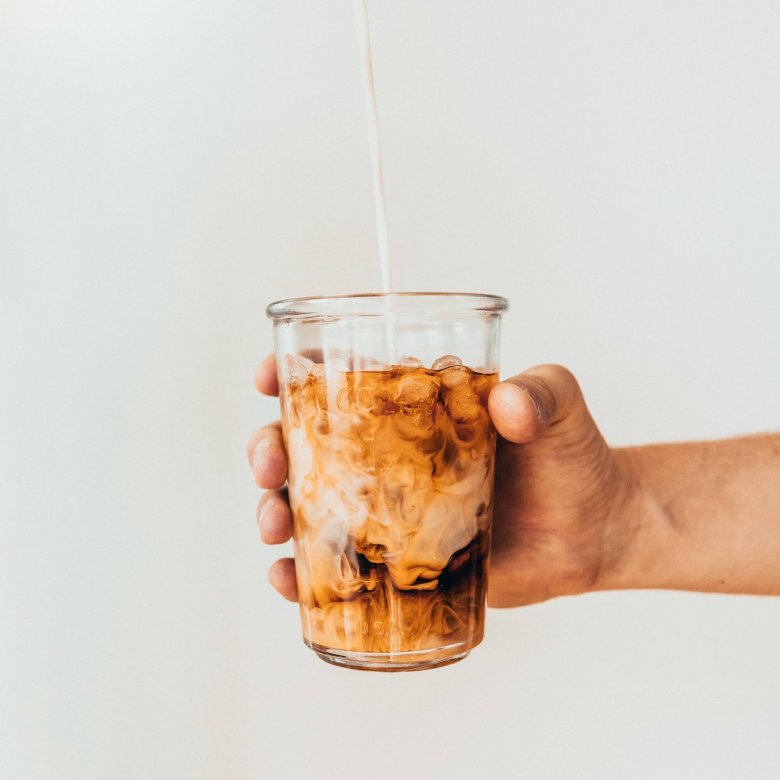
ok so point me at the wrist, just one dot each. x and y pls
(639, 533)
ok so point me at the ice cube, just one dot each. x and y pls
(414, 390)
(463, 404)
(445, 361)
(296, 368)
(336, 365)
(454, 376)
(408, 361)
(415, 423)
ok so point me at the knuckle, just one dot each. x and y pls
(560, 372)
(271, 499)
(557, 389)
(252, 444)
(564, 377)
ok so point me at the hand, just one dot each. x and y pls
(561, 495)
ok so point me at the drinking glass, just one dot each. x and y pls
(391, 458)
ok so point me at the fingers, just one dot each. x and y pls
(266, 378)
(524, 406)
(274, 518)
(267, 457)
(268, 460)
(282, 576)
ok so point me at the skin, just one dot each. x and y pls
(573, 515)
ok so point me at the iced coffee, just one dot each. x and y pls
(391, 484)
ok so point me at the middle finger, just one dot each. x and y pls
(274, 517)
(267, 457)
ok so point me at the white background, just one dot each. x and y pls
(168, 167)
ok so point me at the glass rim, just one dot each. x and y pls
(368, 304)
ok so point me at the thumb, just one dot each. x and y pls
(524, 406)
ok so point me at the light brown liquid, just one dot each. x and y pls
(391, 485)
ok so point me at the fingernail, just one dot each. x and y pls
(541, 413)
(260, 450)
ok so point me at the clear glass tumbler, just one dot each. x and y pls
(391, 459)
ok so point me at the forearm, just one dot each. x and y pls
(701, 516)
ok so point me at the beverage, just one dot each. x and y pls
(374, 146)
(391, 482)
(390, 474)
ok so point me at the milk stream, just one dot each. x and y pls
(364, 39)
(375, 149)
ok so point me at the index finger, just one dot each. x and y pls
(266, 379)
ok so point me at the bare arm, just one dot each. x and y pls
(706, 516)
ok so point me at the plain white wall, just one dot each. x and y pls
(168, 167)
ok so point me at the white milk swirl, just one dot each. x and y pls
(361, 21)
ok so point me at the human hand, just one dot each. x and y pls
(561, 494)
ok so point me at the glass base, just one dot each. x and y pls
(409, 661)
